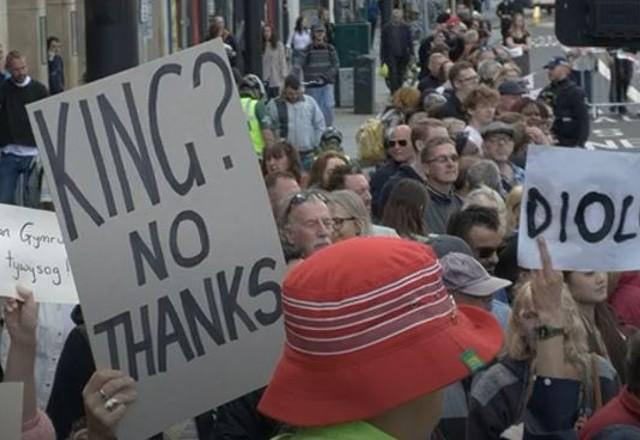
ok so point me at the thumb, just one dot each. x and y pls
(24, 293)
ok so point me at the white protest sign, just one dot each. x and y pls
(169, 232)
(11, 410)
(585, 204)
(33, 254)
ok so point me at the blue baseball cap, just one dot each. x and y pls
(557, 61)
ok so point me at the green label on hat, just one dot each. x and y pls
(471, 359)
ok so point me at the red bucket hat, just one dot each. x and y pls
(370, 326)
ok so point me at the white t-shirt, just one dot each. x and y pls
(299, 41)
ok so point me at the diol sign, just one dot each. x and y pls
(586, 204)
(170, 236)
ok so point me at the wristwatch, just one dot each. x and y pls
(547, 332)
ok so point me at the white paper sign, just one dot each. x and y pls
(586, 204)
(32, 253)
(169, 232)
(11, 410)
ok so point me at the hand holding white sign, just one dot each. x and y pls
(34, 254)
(106, 397)
(169, 233)
(585, 204)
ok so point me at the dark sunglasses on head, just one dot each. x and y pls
(300, 198)
(401, 142)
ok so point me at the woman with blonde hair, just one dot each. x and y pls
(604, 335)
(350, 216)
(529, 372)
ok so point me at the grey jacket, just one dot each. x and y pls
(301, 126)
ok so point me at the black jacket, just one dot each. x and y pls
(396, 42)
(498, 400)
(451, 109)
(440, 208)
(428, 82)
(14, 121)
(403, 171)
(56, 75)
(378, 180)
(571, 116)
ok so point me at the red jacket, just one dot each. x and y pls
(624, 409)
(625, 300)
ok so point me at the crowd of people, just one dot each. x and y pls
(406, 253)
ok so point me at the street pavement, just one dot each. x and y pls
(608, 131)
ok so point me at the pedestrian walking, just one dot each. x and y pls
(320, 67)
(396, 49)
(299, 40)
(274, 61)
(55, 65)
(18, 145)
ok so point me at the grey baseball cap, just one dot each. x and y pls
(465, 274)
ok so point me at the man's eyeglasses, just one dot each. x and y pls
(401, 142)
(300, 198)
(338, 222)
(444, 159)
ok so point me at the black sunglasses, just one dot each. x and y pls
(401, 142)
(300, 198)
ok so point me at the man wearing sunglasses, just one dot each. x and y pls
(479, 227)
(440, 164)
(400, 151)
(305, 223)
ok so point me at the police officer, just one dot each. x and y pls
(571, 116)
(251, 97)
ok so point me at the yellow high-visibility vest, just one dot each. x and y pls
(255, 133)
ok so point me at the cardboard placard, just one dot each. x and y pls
(33, 254)
(586, 205)
(169, 232)
(11, 410)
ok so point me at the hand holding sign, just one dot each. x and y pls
(173, 245)
(585, 204)
(21, 318)
(106, 397)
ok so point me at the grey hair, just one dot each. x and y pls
(490, 198)
(484, 172)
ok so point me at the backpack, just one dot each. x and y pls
(370, 140)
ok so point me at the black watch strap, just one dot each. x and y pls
(547, 332)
